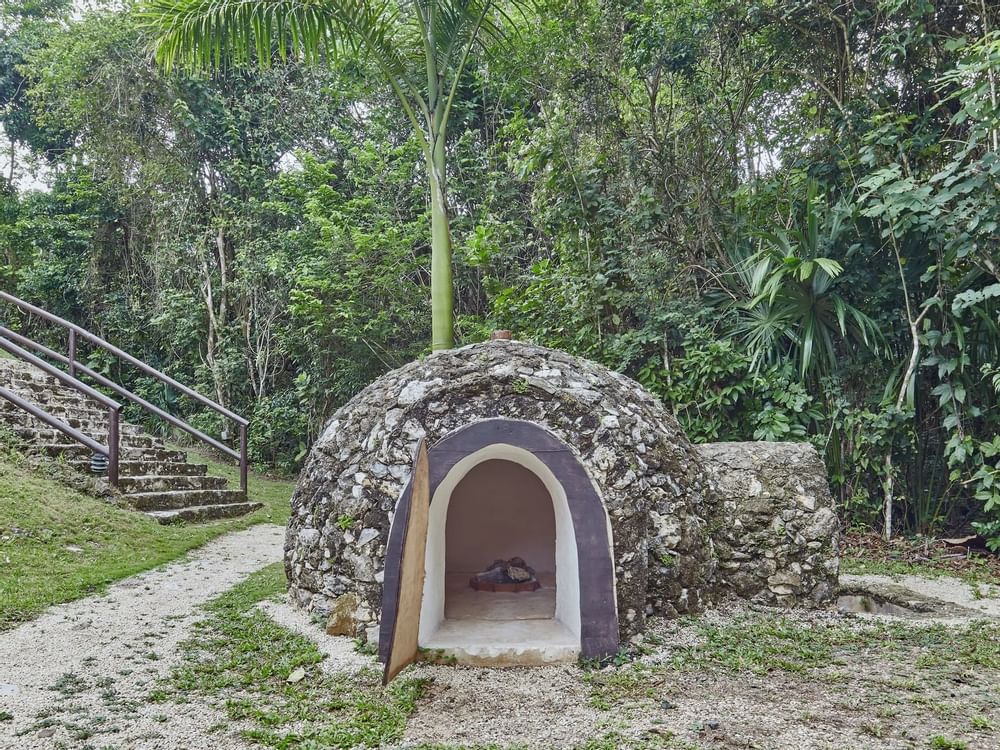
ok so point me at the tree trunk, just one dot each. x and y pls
(887, 498)
(911, 369)
(442, 292)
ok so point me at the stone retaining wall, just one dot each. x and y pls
(776, 534)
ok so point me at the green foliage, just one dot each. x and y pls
(795, 310)
(762, 213)
(420, 49)
(940, 742)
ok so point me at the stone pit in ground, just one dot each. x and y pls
(537, 454)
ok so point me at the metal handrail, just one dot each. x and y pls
(74, 367)
(55, 423)
(111, 450)
(120, 390)
(112, 349)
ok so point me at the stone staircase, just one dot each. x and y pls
(153, 479)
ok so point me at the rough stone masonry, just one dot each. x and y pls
(689, 523)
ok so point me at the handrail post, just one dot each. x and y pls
(243, 458)
(72, 353)
(113, 447)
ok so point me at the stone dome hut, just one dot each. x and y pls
(575, 468)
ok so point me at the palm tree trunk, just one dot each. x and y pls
(442, 293)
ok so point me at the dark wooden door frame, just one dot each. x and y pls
(598, 611)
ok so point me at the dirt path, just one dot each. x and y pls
(82, 673)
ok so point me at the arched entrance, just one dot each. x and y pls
(501, 488)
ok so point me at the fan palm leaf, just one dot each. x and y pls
(789, 306)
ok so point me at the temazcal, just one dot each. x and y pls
(573, 471)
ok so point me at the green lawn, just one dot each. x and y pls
(57, 545)
(241, 660)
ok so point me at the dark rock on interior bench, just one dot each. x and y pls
(514, 570)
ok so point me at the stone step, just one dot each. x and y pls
(76, 451)
(172, 500)
(85, 426)
(152, 479)
(204, 512)
(49, 435)
(36, 383)
(12, 413)
(150, 483)
(85, 408)
(151, 468)
(90, 418)
(44, 433)
(62, 396)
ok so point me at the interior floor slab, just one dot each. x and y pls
(497, 643)
(462, 602)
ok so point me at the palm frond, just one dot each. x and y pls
(206, 34)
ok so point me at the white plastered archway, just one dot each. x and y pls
(567, 610)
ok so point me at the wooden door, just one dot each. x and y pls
(406, 628)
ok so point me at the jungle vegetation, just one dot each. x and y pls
(781, 216)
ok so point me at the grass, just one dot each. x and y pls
(764, 644)
(943, 743)
(894, 670)
(274, 492)
(609, 741)
(57, 544)
(868, 554)
(772, 643)
(242, 659)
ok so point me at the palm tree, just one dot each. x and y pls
(420, 47)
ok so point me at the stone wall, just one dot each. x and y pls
(775, 531)
(647, 473)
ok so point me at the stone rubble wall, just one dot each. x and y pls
(775, 533)
(649, 476)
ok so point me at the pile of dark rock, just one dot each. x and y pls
(506, 575)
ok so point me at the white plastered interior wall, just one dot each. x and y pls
(499, 510)
(567, 609)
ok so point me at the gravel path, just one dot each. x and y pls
(341, 655)
(81, 674)
(535, 707)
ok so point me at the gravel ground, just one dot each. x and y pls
(865, 701)
(533, 707)
(465, 705)
(980, 601)
(81, 674)
(341, 655)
